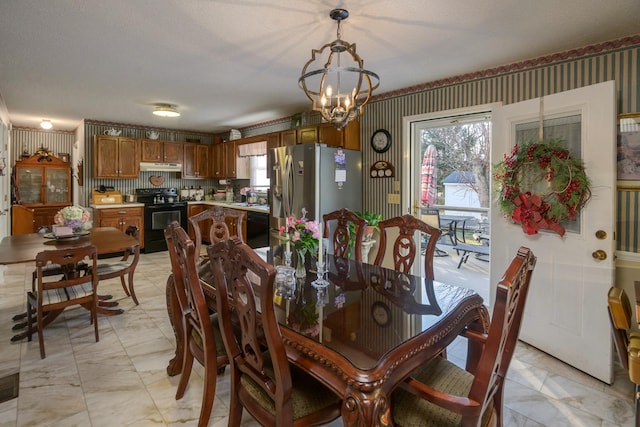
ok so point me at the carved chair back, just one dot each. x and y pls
(405, 248)
(341, 236)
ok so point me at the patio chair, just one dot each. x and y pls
(432, 217)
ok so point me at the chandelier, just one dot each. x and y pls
(338, 86)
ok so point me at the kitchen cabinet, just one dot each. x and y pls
(307, 135)
(196, 162)
(26, 220)
(230, 156)
(348, 137)
(121, 218)
(42, 188)
(288, 137)
(225, 155)
(153, 150)
(115, 157)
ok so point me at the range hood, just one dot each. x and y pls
(161, 167)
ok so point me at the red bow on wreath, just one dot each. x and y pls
(529, 212)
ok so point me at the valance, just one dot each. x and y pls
(253, 149)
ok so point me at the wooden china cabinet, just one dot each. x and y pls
(42, 188)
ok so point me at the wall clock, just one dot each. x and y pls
(381, 140)
(381, 313)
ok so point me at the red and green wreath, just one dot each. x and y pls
(540, 185)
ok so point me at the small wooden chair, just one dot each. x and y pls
(342, 236)
(627, 343)
(442, 394)
(125, 267)
(53, 295)
(261, 381)
(201, 334)
(222, 223)
(405, 248)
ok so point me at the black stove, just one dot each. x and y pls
(159, 196)
(161, 207)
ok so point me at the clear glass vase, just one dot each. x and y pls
(301, 268)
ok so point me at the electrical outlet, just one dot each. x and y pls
(393, 199)
(396, 186)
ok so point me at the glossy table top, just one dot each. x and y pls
(368, 311)
(24, 247)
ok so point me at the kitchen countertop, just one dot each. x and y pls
(117, 205)
(239, 206)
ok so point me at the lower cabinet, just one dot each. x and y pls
(121, 218)
(25, 220)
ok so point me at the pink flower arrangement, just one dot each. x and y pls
(302, 232)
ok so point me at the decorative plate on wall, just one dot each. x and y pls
(156, 180)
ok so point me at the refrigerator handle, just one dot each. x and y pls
(287, 186)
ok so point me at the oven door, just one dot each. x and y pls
(156, 219)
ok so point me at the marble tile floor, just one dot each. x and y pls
(121, 380)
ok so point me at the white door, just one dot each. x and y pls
(566, 311)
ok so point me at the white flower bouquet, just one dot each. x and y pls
(74, 217)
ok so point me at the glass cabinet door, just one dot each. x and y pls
(30, 184)
(57, 186)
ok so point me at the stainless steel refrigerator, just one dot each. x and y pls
(318, 178)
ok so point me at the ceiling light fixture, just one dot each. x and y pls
(46, 124)
(166, 110)
(339, 86)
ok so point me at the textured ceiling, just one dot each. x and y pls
(231, 64)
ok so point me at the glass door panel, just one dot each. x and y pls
(57, 186)
(30, 185)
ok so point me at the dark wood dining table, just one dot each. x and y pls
(363, 334)
(23, 248)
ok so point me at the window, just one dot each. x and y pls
(259, 175)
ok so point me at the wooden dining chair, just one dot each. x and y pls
(222, 223)
(442, 394)
(342, 239)
(627, 343)
(124, 267)
(52, 294)
(262, 381)
(200, 336)
(405, 249)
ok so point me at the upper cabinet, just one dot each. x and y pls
(196, 162)
(288, 137)
(43, 181)
(324, 133)
(153, 150)
(225, 155)
(115, 157)
(307, 135)
(348, 137)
